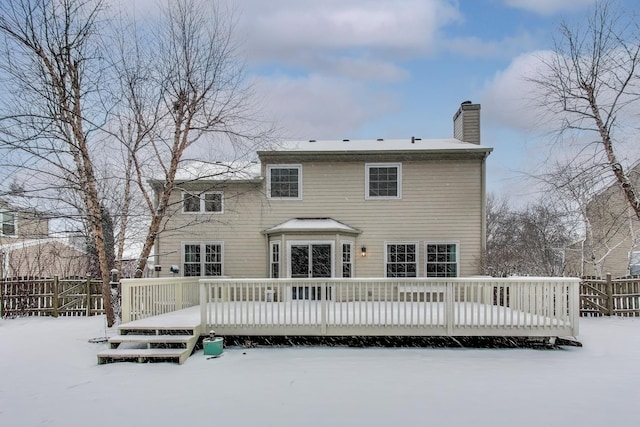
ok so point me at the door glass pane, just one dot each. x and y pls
(321, 256)
(299, 261)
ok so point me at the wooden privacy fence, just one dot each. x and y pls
(610, 297)
(51, 297)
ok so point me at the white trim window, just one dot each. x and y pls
(401, 259)
(211, 202)
(202, 258)
(8, 224)
(441, 259)
(383, 181)
(347, 259)
(284, 182)
(274, 265)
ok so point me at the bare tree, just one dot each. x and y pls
(591, 81)
(52, 63)
(183, 88)
(87, 121)
(599, 212)
(527, 241)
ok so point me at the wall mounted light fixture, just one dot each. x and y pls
(364, 251)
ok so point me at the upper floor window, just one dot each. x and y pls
(441, 260)
(284, 182)
(383, 181)
(401, 260)
(8, 224)
(210, 202)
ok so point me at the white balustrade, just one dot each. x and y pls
(408, 307)
(142, 298)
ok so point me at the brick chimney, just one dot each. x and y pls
(466, 123)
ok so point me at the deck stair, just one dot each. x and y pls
(150, 344)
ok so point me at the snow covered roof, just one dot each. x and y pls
(376, 145)
(310, 225)
(218, 171)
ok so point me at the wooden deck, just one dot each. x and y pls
(522, 307)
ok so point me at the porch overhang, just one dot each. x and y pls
(311, 225)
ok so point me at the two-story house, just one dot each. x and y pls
(27, 249)
(349, 208)
(613, 246)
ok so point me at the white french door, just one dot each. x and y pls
(310, 260)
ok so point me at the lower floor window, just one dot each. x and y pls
(441, 260)
(275, 260)
(347, 259)
(203, 259)
(401, 260)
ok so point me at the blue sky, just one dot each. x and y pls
(360, 69)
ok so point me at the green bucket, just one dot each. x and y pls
(213, 347)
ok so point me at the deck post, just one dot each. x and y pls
(125, 301)
(203, 306)
(323, 308)
(574, 306)
(449, 308)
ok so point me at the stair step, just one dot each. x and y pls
(140, 330)
(169, 339)
(178, 355)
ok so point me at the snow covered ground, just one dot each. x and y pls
(49, 377)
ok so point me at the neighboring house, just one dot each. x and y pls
(615, 246)
(374, 208)
(28, 250)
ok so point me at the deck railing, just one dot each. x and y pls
(402, 307)
(143, 298)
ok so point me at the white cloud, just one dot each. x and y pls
(320, 107)
(509, 98)
(363, 39)
(335, 24)
(549, 7)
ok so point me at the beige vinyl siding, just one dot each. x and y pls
(28, 226)
(46, 259)
(244, 245)
(441, 201)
